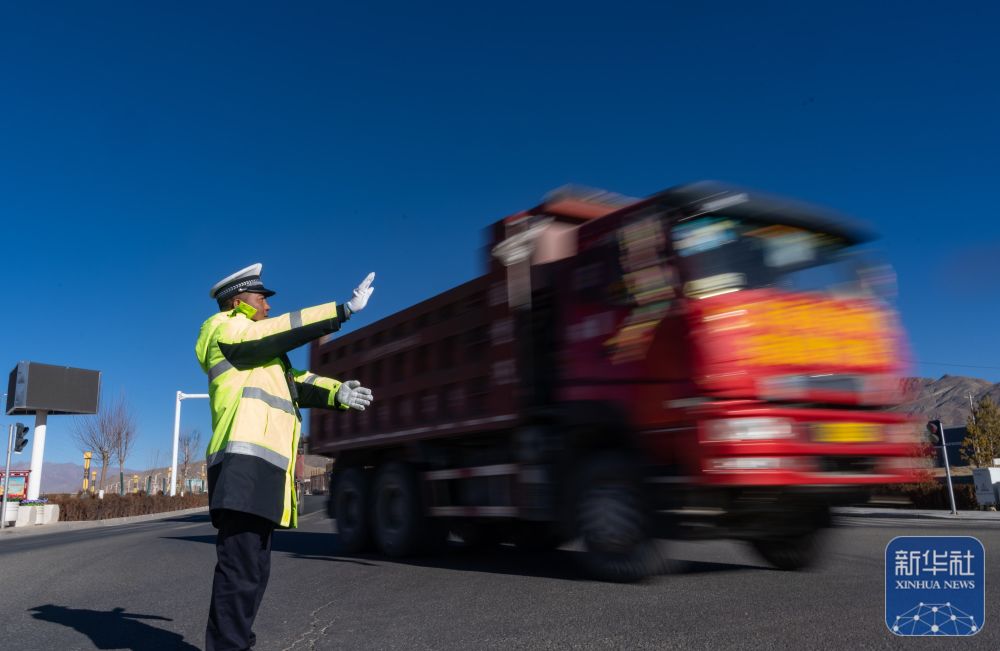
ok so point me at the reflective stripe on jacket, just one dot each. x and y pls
(255, 397)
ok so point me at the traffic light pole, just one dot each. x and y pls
(947, 468)
(6, 477)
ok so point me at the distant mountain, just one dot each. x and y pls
(68, 477)
(57, 477)
(946, 398)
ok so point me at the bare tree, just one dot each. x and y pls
(153, 461)
(97, 434)
(190, 448)
(124, 433)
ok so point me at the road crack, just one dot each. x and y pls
(313, 633)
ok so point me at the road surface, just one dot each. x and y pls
(146, 586)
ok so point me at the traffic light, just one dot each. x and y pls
(934, 431)
(20, 436)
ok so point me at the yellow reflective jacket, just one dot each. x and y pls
(255, 397)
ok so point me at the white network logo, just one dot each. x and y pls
(935, 619)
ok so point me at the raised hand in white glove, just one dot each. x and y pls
(352, 394)
(361, 295)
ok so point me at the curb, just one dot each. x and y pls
(77, 525)
(903, 514)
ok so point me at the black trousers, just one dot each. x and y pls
(244, 564)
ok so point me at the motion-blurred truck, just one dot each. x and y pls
(706, 362)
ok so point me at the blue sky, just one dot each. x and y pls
(148, 149)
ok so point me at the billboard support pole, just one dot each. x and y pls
(6, 477)
(37, 454)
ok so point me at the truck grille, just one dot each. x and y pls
(845, 465)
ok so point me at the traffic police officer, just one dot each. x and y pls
(255, 397)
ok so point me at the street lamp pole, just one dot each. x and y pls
(6, 477)
(177, 434)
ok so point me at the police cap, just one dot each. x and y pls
(244, 280)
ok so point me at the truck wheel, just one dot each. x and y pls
(790, 553)
(349, 504)
(613, 521)
(397, 515)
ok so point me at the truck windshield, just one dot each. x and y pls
(719, 255)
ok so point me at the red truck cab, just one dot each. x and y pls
(743, 335)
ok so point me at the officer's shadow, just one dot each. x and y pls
(114, 629)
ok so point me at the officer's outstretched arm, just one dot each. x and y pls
(247, 343)
(316, 390)
(327, 393)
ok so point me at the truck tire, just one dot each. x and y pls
(790, 553)
(350, 506)
(613, 521)
(397, 514)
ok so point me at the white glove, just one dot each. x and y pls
(361, 295)
(353, 395)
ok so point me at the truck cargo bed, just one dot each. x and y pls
(436, 369)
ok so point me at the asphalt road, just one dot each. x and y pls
(146, 586)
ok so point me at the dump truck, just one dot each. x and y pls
(706, 362)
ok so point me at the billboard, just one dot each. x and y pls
(18, 484)
(34, 387)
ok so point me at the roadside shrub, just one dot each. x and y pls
(930, 495)
(86, 507)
